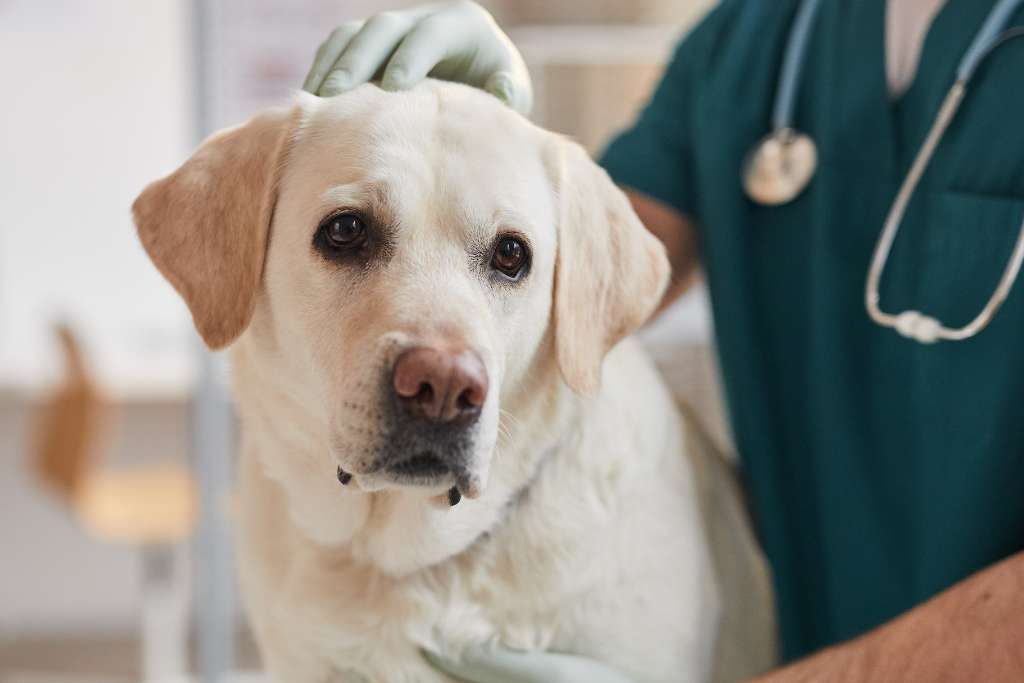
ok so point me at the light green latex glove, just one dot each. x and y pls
(488, 664)
(454, 41)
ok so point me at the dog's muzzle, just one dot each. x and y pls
(436, 396)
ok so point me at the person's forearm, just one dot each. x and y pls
(679, 236)
(974, 631)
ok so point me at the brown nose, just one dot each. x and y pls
(438, 385)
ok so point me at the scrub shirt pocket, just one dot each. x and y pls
(950, 255)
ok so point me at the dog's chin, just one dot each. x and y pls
(425, 473)
(385, 481)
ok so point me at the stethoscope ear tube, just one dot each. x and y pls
(915, 324)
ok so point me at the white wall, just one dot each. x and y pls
(96, 102)
(54, 577)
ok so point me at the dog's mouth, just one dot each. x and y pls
(419, 467)
(423, 468)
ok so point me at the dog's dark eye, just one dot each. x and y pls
(510, 257)
(343, 231)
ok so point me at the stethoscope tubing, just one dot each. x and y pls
(792, 65)
(915, 324)
(988, 37)
(911, 323)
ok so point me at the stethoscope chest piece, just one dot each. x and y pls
(779, 167)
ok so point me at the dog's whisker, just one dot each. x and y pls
(505, 414)
(506, 423)
(504, 432)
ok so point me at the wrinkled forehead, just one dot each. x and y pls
(440, 145)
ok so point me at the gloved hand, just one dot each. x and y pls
(454, 41)
(489, 664)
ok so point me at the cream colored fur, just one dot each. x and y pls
(580, 531)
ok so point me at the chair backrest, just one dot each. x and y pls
(70, 425)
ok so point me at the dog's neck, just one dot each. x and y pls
(396, 531)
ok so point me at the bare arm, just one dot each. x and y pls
(679, 236)
(974, 631)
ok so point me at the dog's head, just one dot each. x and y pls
(404, 263)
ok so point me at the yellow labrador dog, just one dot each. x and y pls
(446, 439)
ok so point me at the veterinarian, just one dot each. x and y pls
(858, 219)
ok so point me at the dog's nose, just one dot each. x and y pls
(439, 385)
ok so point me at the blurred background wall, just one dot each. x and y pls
(96, 101)
(102, 96)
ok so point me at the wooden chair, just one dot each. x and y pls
(151, 506)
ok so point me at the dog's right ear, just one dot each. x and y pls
(610, 272)
(206, 226)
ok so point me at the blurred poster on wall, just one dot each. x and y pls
(258, 51)
(593, 64)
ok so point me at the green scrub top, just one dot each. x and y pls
(880, 471)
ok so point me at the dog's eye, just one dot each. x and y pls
(343, 231)
(510, 257)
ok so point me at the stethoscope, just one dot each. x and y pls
(783, 163)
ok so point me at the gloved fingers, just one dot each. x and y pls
(434, 47)
(456, 40)
(510, 79)
(491, 664)
(367, 52)
(511, 88)
(327, 54)
(426, 45)
(487, 665)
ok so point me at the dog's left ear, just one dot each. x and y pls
(206, 226)
(610, 272)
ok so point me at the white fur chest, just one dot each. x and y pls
(604, 546)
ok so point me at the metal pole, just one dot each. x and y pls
(213, 458)
(212, 444)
